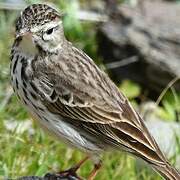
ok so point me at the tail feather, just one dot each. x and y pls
(168, 172)
(150, 152)
(162, 167)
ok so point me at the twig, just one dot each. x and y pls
(173, 81)
(9, 6)
(83, 15)
(121, 63)
(91, 16)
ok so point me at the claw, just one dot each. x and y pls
(62, 176)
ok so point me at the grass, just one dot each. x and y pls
(31, 152)
(25, 149)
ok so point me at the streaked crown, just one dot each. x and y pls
(35, 15)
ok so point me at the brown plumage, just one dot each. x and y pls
(71, 97)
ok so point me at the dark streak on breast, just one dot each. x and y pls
(12, 52)
(23, 69)
(41, 109)
(25, 94)
(33, 105)
(33, 95)
(24, 101)
(45, 119)
(18, 95)
(34, 87)
(12, 56)
(15, 63)
(24, 84)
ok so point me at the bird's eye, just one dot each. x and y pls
(50, 31)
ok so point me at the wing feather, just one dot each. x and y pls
(85, 97)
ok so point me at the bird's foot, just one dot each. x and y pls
(66, 175)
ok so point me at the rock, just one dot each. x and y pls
(147, 40)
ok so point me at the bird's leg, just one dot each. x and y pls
(93, 173)
(73, 169)
(77, 166)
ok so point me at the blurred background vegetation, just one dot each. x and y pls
(24, 148)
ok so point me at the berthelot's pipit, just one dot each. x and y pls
(72, 98)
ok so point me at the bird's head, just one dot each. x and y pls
(40, 25)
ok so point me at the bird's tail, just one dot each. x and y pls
(148, 150)
(168, 172)
(156, 158)
(136, 139)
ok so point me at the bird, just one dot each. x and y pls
(72, 98)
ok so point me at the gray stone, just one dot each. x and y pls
(151, 35)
